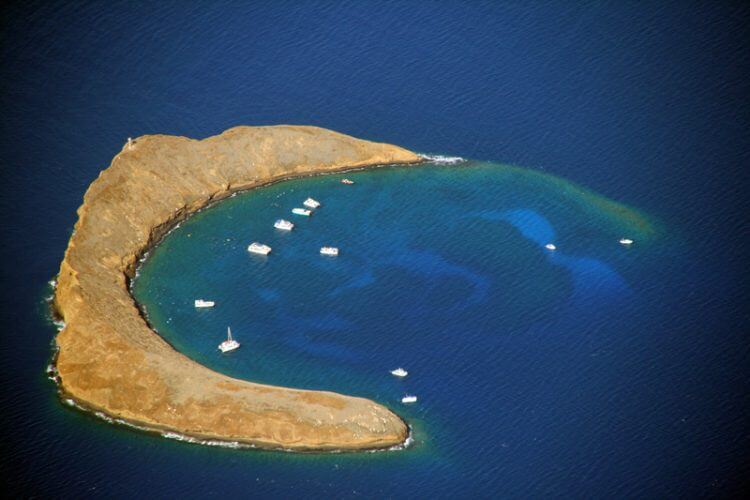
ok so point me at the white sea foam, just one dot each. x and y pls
(443, 160)
(52, 373)
(409, 441)
(406, 444)
(52, 284)
(206, 442)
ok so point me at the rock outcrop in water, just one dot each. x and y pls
(110, 360)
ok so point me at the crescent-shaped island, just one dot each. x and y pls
(110, 360)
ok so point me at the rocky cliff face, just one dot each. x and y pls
(110, 360)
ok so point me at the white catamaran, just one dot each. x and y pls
(259, 248)
(284, 225)
(311, 203)
(229, 344)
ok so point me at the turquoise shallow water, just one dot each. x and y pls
(442, 270)
(442, 256)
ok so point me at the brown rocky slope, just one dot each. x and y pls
(110, 360)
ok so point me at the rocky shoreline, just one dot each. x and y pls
(109, 360)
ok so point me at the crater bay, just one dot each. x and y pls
(440, 267)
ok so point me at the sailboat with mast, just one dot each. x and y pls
(229, 344)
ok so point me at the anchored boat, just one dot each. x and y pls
(311, 203)
(229, 344)
(204, 303)
(259, 248)
(332, 251)
(301, 211)
(284, 225)
(409, 399)
(399, 372)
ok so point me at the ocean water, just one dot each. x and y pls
(596, 370)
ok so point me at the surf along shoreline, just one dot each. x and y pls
(110, 360)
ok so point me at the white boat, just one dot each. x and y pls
(346, 181)
(626, 241)
(301, 211)
(284, 225)
(399, 372)
(409, 399)
(332, 251)
(204, 303)
(229, 344)
(550, 246)
(259, 248)
(311, 203)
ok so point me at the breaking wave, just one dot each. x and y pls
(443, 160)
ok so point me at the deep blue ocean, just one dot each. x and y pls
(592, 371)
